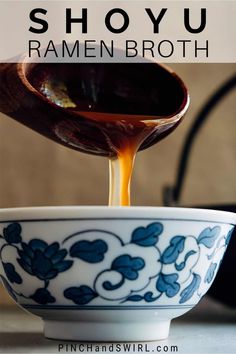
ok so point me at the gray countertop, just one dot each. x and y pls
(208, 328)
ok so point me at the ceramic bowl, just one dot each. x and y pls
(110, 274)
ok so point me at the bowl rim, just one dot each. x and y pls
(116, 212)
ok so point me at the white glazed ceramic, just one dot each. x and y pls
(110, 274)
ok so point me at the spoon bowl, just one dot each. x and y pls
(93, 107)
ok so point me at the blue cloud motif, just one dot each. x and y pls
(11, 273)
(126, 270)
(210, 273)
(42, 260)
(181, 266)
(89, 251)
(12, 233)
(208, 236)
(188, 292)
(147, 236)
(180, 256)
(81, 295)
(172, 252)
(127, 266)
(167, 283)
(42, 296)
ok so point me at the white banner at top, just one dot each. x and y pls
(118, 31)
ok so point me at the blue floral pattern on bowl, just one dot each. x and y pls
(138, 271)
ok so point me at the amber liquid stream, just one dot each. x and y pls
(125, 144)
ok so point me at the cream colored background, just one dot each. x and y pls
(35, 171)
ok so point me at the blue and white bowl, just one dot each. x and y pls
(110, 274)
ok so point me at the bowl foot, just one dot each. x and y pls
(106, 332)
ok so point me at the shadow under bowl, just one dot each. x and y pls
(110, 273)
